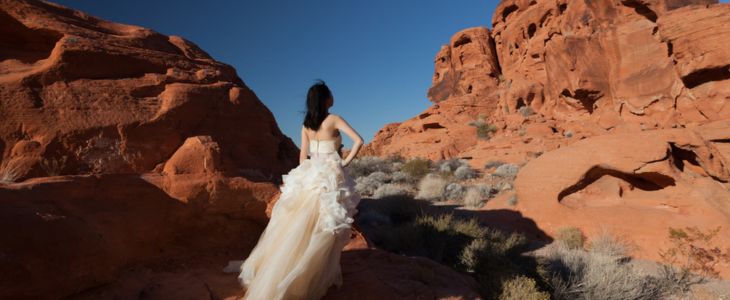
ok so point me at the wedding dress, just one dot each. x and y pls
(298, 254)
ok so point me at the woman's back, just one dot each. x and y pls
(325, 140)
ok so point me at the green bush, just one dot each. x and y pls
(485, 130)
(416, 168)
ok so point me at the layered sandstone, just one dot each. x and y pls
(122, 147)
(606, 64)
(135, 166)
(617, 111)
(110, 98)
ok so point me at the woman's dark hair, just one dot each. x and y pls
(317, 98)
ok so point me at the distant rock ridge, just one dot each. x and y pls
(610, 63)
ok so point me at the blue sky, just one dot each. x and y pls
(376, 55)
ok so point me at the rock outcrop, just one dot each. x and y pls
(635, 185)
(136, 166)
(120, 148)
(617, 109)
(602, 64)
(108, 98)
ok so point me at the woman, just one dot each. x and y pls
(298, 254)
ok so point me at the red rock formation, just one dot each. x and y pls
(606, 64)
(166, 161)
(636, 185)
(163, 152)
(113, 98)
(467, 66)
(586, 96)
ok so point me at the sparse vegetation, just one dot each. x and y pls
(526, 111)
(10, 171)
(399, 177)
(391, 189)
(475, 197)
(578, 274)
(692, 250)
(606, 243)
(491, 256)
(366, 165)
(53, 166)
(512, 201)
(484, 129)
(493, 164)
(450, 165)
(416, 168)
(431, 188)
(571, 237)
(522, 131)
(367, 185)
(522, 288)
(465, 172)
(507, 171)
(454, 191)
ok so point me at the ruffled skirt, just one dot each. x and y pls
(298, 254)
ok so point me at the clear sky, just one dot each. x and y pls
(376, 55)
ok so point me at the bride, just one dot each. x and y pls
(298, 254)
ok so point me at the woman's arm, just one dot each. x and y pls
(342, 125)
(305, 146)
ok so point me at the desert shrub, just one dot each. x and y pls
(485, 130)
(391, 189)
(399, 177)
(693, 251)
(522, 288)
(503, 186)
(568, 134)
(53, 166)
(507, 171)
(366, 165)
(450, 165)
(473, 198)
(579, 274)
(395, 159)
(465, 172)
(486, 190)
(493, 164)
(416, 168)
(366, 186)
(431, 188)
(454, 191)
(490, 256)
(379, 176)
(571, 237)
(512, 201)
(522, 131)
(605, 243)
(526, 111)
(677, 281)
(10, 172)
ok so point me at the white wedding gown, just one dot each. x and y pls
(298, 254)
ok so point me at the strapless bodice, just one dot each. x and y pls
(322, 146)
